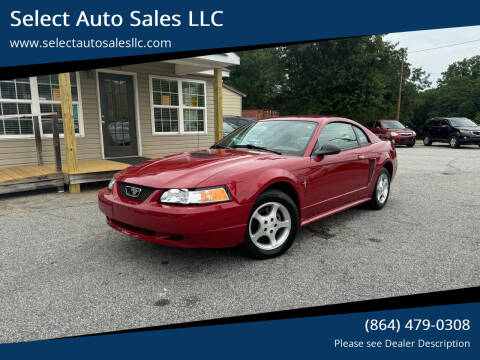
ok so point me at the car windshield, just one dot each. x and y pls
(462, 122)
(280, 136)
(392, 124)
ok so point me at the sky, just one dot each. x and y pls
(436, 61)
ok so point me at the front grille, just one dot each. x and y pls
(406, 134)
(476, 132)
(128, 191)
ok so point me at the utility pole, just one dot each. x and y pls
(399, 101)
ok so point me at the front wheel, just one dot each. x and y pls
(272, 225)
(411, 145)
(453, 142)
(381, 190)
(427, 140)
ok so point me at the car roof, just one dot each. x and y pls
(315, 118)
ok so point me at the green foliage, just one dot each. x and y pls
(356, 78)
(260, 76)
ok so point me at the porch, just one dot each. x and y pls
(33, 177)
(99, 120)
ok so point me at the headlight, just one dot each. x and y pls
(393, 133)
(111, 183)
(199, 196)
(464, 131)
(414, 133)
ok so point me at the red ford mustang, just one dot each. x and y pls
(255, 187)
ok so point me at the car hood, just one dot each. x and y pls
(400, 130)
(187, 170)
(470, 128)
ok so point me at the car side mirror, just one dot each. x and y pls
(327, 149)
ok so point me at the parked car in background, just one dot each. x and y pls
(256, 187)
(455, 131)
(394, 131)
(231, 123)
(119, 132)
(227, 128)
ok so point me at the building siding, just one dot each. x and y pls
(232, 103)
(17, 152)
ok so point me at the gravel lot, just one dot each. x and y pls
(64, 272)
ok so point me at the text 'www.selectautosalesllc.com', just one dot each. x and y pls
(57, 43)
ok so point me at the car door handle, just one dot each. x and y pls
(361, 157)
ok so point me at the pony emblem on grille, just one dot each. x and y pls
(133, 191)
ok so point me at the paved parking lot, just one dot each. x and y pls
(64, 272)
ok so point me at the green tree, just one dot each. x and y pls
(466, 69)
(355, 78)
(260, 76)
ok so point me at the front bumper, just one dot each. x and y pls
(469, 139)
(213, 225)
(403, 140)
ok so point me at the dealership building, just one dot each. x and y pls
(133, 111)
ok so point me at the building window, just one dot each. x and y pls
(165, 104)
(193, 94)
(49, 97)
(35, 95)
(178, 106)
(15, 99)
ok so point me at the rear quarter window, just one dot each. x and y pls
(339, 134)
(361, 136)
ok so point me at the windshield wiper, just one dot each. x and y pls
(255, 147)
(219, 147)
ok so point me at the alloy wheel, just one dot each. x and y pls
(270, 226)
(382, 188)
(453, 142)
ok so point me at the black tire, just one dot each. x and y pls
(272, 196)
(376, 203)
(427, 140)
(411, 145)
(453, 142)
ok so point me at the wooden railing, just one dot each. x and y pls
(38, 136)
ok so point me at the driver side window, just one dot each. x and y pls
(339, 134)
